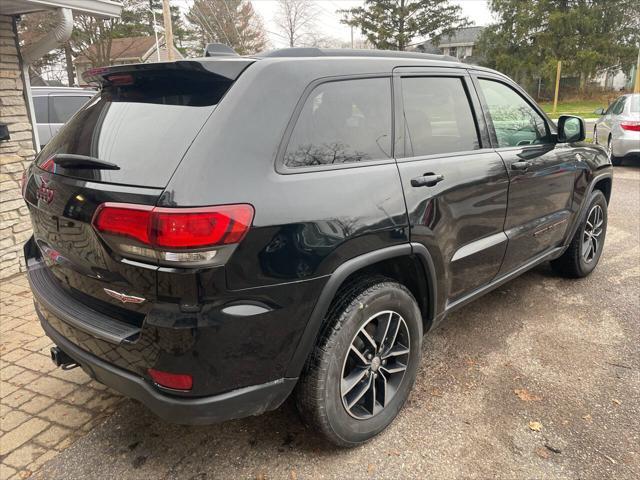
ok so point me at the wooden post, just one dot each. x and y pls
(555, 96)
(168, 30)
(637, 87)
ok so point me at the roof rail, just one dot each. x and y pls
(350, 52)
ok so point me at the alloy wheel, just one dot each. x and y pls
(592, 232)
(375, 364)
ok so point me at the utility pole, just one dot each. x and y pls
(555, 96)
(168, 30)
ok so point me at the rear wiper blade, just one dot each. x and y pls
(69, 160)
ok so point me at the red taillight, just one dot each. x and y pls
(200, 227)
(631, 126)
(48, 165)
(130, 221)
(175, 381)
(170, 230)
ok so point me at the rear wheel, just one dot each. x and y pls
(362, 370)
(585, 249)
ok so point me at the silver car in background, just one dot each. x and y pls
(619, 128)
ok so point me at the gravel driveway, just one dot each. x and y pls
(538, 379)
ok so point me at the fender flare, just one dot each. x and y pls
(336, 279)
(583, 208)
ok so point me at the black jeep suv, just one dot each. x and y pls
(211, 235)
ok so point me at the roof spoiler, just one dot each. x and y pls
(219, 50)
(223, 69)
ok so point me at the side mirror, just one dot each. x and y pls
(599, 111)
(571, 129)
(4, 132)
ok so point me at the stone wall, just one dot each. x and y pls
(15, 154)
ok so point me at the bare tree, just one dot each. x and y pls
(295, 21)
(232, 22)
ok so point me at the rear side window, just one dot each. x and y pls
(41, 107)
(618, 108)
(144, 124)
(342, 122)
(63, 107)
(438, 117)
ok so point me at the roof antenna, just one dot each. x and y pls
(219, 50)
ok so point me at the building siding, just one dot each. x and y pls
(15, 154)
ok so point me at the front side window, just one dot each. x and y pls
(341, 122)
(63, 107)
(516, 123)
(438, 117)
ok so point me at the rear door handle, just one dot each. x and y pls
(522, 166)
(427, 180)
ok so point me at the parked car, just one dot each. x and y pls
(54, 106)
(619, 128)
(209, 242)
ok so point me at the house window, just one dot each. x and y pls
(453, 51)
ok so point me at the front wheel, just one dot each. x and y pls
(585, 249)
(362, 370)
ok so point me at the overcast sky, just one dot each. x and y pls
(329, 25)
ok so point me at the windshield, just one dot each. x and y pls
(143, 123)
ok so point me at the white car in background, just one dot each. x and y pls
(54, 106)
(619, 128)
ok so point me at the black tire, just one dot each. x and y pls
(318, 394)
(576, 262)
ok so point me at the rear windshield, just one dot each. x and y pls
(144, 124)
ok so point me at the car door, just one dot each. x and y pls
(62, 108)
(605, 124)
(41, 109)
(541, 171)
(455, 184)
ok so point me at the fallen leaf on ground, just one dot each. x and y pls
(535, 426)
(542, 452)
(587, 417)
(371, 468)
(393, 452)
(294, 475)
(526, 396)
(616, 401)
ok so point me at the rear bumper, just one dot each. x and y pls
(627, 144)
(243, 402)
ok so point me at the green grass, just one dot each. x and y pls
(580, 108)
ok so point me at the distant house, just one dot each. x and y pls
(126, 50)
(460, 45)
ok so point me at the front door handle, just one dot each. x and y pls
(427, 180)
(522, 166)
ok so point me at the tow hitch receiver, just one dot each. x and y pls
(61, 359)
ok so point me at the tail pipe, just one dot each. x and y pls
(61, 359)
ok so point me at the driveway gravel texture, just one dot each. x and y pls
(538, 379)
